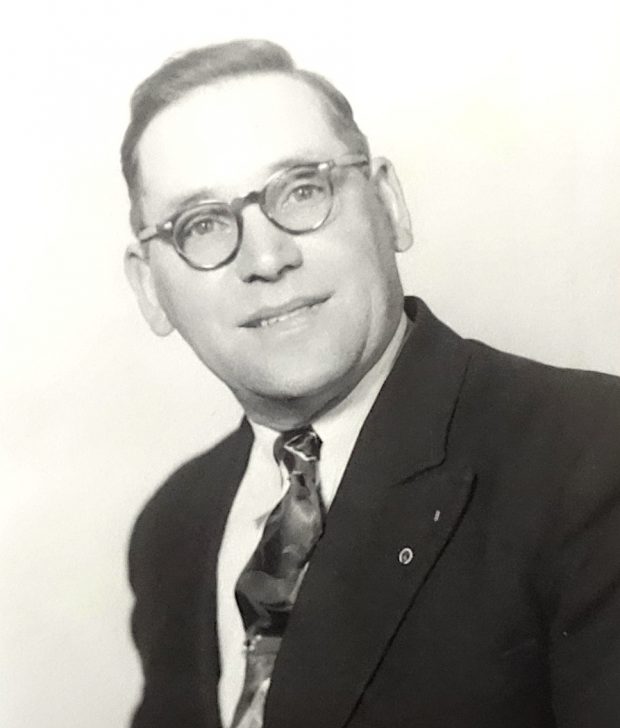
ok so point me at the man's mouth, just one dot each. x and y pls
(271, 316)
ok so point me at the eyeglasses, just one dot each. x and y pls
(208, 234)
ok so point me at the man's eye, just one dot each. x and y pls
(205, 226)
(306, 193)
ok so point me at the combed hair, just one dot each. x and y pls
(203, 66)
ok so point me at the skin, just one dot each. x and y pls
(228, 138)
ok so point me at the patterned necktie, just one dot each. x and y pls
(268, 586)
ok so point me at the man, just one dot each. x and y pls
(408, 529)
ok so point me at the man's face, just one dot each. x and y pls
(291, 317)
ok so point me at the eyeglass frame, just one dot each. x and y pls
(166, 229)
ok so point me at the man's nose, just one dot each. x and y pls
(266, 252)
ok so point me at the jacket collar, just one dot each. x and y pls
(412, 413)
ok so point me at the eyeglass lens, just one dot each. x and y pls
(298, 200)
(207, 234)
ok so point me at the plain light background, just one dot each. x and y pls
(503, 121)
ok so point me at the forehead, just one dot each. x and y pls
(229, 136)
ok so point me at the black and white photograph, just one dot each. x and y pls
(311, 377)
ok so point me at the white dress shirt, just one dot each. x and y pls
(261, 488)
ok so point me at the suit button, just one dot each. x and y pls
(405, 556)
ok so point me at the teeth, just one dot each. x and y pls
(285, 316)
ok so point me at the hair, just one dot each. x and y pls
(203, 66)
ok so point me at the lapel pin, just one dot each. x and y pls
(436, 516)
(405, 556)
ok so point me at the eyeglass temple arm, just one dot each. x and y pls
(351, 160)
(152, 231)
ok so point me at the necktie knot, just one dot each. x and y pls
(296, 448)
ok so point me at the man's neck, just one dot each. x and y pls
(290, 414)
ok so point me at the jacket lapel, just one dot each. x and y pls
(398, 504)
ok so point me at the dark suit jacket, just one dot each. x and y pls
(502, 476)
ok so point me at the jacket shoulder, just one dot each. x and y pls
(553, 431)
(574, 400)
(186, 497)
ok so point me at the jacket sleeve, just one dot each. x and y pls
(584, 656)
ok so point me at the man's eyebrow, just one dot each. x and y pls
(183, 201)
(294, 161)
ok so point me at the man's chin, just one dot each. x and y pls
(302, 391)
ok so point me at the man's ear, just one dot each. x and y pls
(391, 194)
(140, 276)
